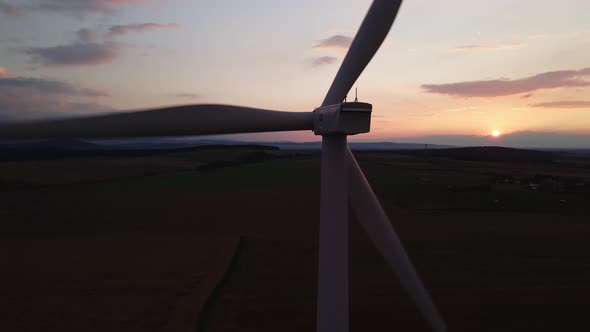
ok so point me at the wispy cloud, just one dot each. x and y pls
(44, 86)
(505, 87)
(75, 54)
(564, 104)
(188, 95)
(484, 47)
(323, 60)
(117, 30)
(70, 7)
(23, 98)
(336, 41)
(92, 46)
(87, 35)
(4, 73)
(9, 9)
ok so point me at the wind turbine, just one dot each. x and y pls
(342, 180)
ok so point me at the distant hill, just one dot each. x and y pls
(486, 153)
(60, 144)
(374, 146)
(519, 139)
(158, 143)
(64, 148)
(47, 150)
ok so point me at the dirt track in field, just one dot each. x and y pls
(110, 283)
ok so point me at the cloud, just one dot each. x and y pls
(44, 86)
(117, 30)
(564, 104)
(44, 107)
(75, 54)
(26, 98)
(324, 60)
(336, 41)
(11, 40)
(9, 9)
(505, 87)
(86, 35)
(188, 95)
(70, 7)
(484, 47)
(92, 47)
(4, 73)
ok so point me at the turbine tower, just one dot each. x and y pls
(343, 183)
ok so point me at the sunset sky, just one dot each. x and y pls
(448, 68)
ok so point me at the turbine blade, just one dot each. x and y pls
(369, 37)
(373, 219)
(170, 121)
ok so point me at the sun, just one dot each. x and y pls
(496, 133)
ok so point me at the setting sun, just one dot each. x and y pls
(496, 133)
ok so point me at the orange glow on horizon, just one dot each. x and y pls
(496, 133)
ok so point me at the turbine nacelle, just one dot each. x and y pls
(347, 118)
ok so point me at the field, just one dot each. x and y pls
(501, 245)
(110, 283)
